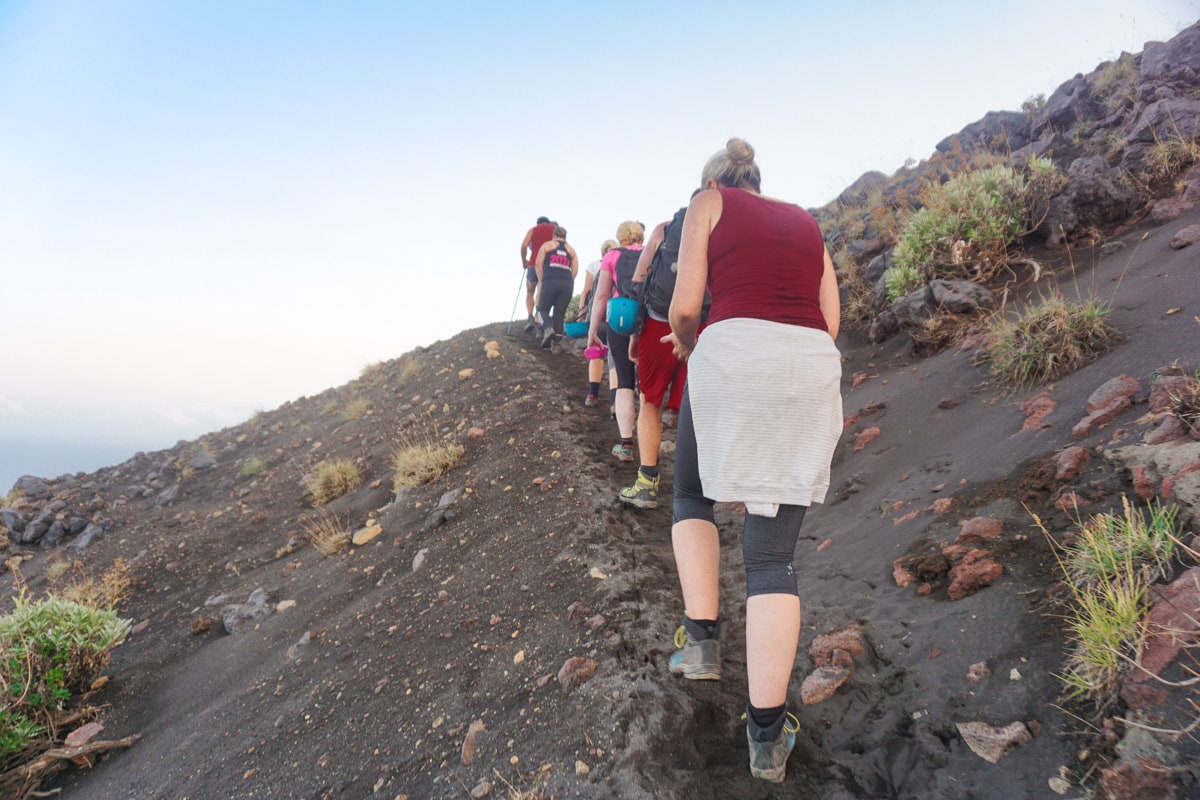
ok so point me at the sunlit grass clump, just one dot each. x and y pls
(1049, 339)
(332, 479)
(1108, 570)
(327, 534)
(418, 461)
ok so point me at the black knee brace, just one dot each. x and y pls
(768, 550)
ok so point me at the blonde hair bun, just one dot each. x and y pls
(740, 151)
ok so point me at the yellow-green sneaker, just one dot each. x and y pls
(695, 660)
(768, 760)
(643, 493)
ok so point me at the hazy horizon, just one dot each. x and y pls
(214, 208)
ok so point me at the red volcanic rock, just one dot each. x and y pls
(980, 529)
(1166, 385)
(973, 573)
(1069, 462)
(978, 671)
(1111, 391)
(846, 639)
(1036, 409)
(1143, 482)
(1171, 625)
(1068, 502)
(1147, 780)
(576, 671)
(1170, 429)
(902, 575)
(822, 684)
(865, 437)
(1100, 416)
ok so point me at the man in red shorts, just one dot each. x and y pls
(535, 237)
(658, 368)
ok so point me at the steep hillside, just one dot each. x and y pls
(505, 627)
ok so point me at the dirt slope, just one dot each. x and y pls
(402, 657)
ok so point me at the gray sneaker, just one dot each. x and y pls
(695, 660)
(768, 760)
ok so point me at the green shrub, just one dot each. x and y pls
(1034, 103)
(900, 280)
(967, 225)
(49, 650)
(253, 466)
(1047, 340)
(1169, 156)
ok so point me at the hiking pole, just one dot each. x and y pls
(513, 315)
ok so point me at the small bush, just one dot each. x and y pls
(355, 409)
(1047, 340)
(49, 650)
(417, 462)
(1034, 103)
(327, 534)
(969, 222)
(900, 280)
(253, 466)
(1109, 545)
(13, 496)
(332, 479)
(375, 374)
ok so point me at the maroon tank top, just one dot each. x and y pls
(765, 261)
(541, 234)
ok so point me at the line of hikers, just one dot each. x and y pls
(638, 357)
(758, 397)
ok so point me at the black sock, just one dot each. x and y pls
(627, 441)
(594, 388)
(767, 722)
(612, 396)
(649, 472)
(701, 629)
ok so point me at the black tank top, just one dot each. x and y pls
(557, 259)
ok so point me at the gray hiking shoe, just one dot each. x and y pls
(643, 493)
(695, 660)
(768, 760)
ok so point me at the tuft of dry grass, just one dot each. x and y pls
(332, 479)
(1185, 404)
(418, 460)
(410, 368)
(103, 592)
(326, 533)
(1049, 339)
(252, 466)
(355, 408)
(13, 496)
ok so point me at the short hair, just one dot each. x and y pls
(630, 232)
(543, 220)
(733, 167)
(609, 244)
(560, 232)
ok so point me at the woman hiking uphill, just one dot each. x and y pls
(629, 236)
(760, 418)
(556, 266)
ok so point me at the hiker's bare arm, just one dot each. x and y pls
(528, 240)
(541, 256)
(603, 292)
(702, 215)
(643, 265)
(574, 261)
(831, 304)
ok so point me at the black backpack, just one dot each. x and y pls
(626, 266)
(660, 278)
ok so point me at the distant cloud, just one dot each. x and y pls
(176, 416)
(10, 406)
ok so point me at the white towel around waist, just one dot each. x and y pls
(767, 409)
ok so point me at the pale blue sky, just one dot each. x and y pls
(208, 208)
